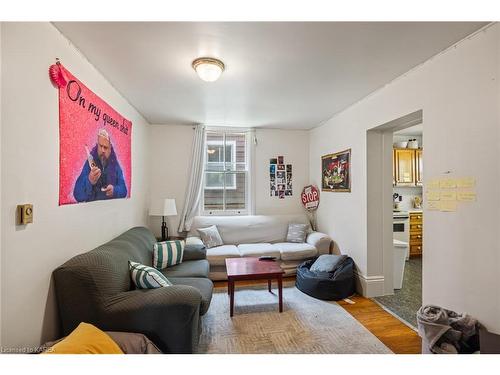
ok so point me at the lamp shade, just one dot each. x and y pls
(163, 207)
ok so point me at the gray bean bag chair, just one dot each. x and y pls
(331, 286)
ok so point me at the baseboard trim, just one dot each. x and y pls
(369, 286)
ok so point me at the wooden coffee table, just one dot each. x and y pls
(253, 269)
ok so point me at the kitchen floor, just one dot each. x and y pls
(406, 301)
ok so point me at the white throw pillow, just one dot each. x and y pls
(210, 236)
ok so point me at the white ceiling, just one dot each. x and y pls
(412, 130)
(279, 75)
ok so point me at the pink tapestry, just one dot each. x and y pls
(95, 140)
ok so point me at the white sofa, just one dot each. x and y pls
(253, 236)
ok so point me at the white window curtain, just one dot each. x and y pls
(195, 187)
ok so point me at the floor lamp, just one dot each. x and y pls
(163, 207)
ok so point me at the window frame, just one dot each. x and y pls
(249, 193)
(233, 157)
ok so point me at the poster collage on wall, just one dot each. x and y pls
(280, 176)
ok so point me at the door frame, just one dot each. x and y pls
(379, 153)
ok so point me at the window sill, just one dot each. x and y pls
(219, 188)
(225, 213)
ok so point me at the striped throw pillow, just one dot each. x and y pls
(145, 277)
(167, 253)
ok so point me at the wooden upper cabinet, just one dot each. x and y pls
(404, 167)
(419, 167)
(407, 167)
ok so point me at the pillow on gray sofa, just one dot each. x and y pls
(194, 251)
(129, 343)
(327, 262)
(297, 233)
(210, 236)
(145, 277)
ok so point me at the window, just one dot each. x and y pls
(215, 161)
(226, 174)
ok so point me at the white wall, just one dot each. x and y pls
(458, 92)
(30, 174)
(408, 193)
(169, 159)
(294, 146)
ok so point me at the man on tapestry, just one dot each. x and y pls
(101, 176)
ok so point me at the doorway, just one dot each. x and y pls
(394, 198)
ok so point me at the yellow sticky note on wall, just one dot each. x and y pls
(447, 183)
(448, 196)
(466, 182)
(432, 184)
(433, 205)
(448, 206)
(432, 195)
(466, 196)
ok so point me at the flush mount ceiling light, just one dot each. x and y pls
(208, 68)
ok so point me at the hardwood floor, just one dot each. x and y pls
(397, 336)
(393, 333)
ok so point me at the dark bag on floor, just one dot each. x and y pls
(331, 286)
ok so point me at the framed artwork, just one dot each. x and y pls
(336, 172)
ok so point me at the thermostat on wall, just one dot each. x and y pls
(24, 214)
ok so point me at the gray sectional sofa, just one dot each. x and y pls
(257, 235)
(95, 287)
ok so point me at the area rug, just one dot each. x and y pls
(306, 325)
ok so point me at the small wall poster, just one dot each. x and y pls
(280, 177)
(94, 148)
(336, 172)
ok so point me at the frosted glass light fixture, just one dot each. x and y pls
(208, 68)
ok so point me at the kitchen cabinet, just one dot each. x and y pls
(416, 233)
(418, 167)
(404, 167)
(407, 167)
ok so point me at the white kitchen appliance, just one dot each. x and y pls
(401, 228)
(400, 251)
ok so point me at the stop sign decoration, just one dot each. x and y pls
(310, 197)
